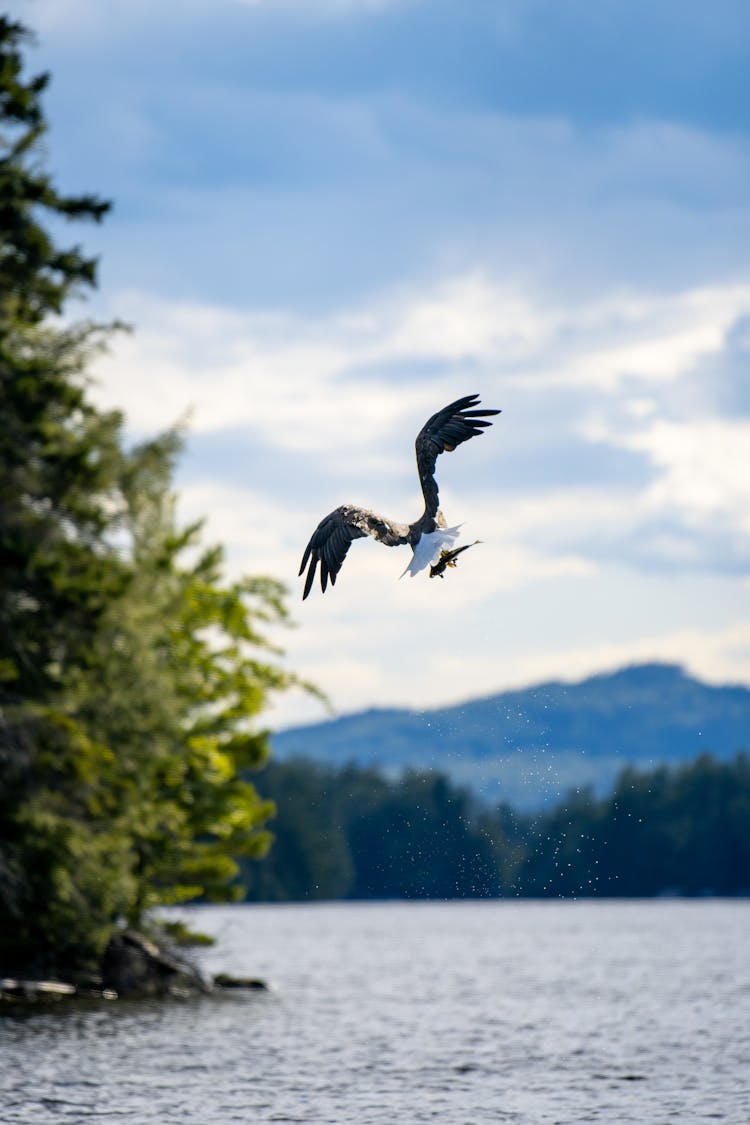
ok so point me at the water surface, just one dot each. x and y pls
(461, 1012)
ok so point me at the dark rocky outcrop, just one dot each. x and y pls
(133, 966)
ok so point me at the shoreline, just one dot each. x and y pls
(133, 967)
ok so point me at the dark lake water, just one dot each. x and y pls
(398, 1013)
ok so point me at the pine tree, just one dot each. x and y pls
(132, 673)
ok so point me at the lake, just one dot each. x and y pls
(398, 1013)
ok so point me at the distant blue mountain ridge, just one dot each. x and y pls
(531, 746)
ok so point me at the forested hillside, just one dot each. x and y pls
(531, 745)
(351, 833)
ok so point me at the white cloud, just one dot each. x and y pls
(704, 469)
(717, 656)
(324, 392)
(222, 362)
(544, 594)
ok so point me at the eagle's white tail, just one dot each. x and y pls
(427, 550)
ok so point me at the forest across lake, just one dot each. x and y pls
(354, 833)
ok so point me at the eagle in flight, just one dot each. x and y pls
(431, 540)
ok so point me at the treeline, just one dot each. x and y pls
(353, 833)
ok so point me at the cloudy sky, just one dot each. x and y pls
(334, 216)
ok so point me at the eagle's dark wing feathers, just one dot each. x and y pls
(335, 534)
(441, 433)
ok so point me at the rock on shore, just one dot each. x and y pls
(133, 966)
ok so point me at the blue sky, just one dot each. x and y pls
(333, 216)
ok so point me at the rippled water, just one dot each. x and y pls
(400, 1013)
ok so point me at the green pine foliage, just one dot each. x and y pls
(354, 833)
(132, 672)
(36, 275)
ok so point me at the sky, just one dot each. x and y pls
(333, 217)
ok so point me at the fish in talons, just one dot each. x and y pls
(448, 558)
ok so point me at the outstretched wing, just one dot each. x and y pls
(335, 534)
(445, 430)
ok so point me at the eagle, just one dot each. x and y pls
(431, 540)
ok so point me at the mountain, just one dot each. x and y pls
(533, 745)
